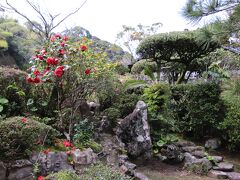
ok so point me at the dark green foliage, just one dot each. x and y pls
(231, 124)
(197, 108)
(126, 103)
(178, 51)
(157, 98)
(18, 137)
(112, 114)
(63, 175)
(121, 69)
(101, 171)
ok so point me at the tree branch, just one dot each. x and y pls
(70, 14)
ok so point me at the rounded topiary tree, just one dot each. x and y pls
(178, 50)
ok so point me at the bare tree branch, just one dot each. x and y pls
(70, 14)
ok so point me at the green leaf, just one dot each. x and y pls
(3, 101)
(44, 103)
(1, 108)
(30, 102)
(33, 109)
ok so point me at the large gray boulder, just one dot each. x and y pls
(134, 132)
(82, 159)
(20, 170)
(3, 170)
(52, 162)
(172, 153)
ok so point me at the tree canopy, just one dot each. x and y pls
(179, 50)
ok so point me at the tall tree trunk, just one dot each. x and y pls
(181, 77)
(158, 71)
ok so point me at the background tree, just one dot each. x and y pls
(47, 21)
(130, 36)
(178, 51)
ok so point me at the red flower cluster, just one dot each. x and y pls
(33, 80)
(59, 71)
(83, 47)
(24, 120)
(87, 71)
(67, 143)
(52, 61)
(41, 178)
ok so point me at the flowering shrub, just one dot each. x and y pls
(19, 135)
(60, 56)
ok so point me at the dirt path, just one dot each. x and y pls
(156, 170)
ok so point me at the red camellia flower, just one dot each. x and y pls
(83, 47)
(36, 72)
(65, 38)
(58, 36)
(62, 44)
(52, 61)
(87, 71)
(41, 178)
(43, 51)
(40, 57)
(46, 151)
(36, 80)
(52, 38)
(29, 79)
(24, 120)
(59, 71)
(61, 51)
(67, 143)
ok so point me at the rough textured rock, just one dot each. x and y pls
(52, 162)
(214, 143)
(233, 176)
(104, 125)
(3, 171)
(198, 166)
(83, 158)
(172, 153)
(192, 148)
(21, 170)
(223, 166)
(217, 174)
(199, 154)
(183, 143)
(140, 176)
(134, 132)
(217, 159)
(189, 158)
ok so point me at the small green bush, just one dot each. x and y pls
(102, 172)
(112, 114)
(197, 108)
(231, 124)
(63, 175)
(157, 98)
(126, 103)
(18, 138)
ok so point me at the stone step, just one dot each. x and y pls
(217, 174)
(217, 159)
(233, 176)
(224, 166)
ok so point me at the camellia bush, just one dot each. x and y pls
(64, 73)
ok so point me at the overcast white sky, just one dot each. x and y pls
(104, 18)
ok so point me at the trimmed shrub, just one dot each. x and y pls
(112, 114)
(231, 124)
(157, 98)
(101, 171)
(197, 108)
(19, 135)
(126, 103)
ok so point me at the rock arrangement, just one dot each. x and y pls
(134, 132)
(195, 159)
